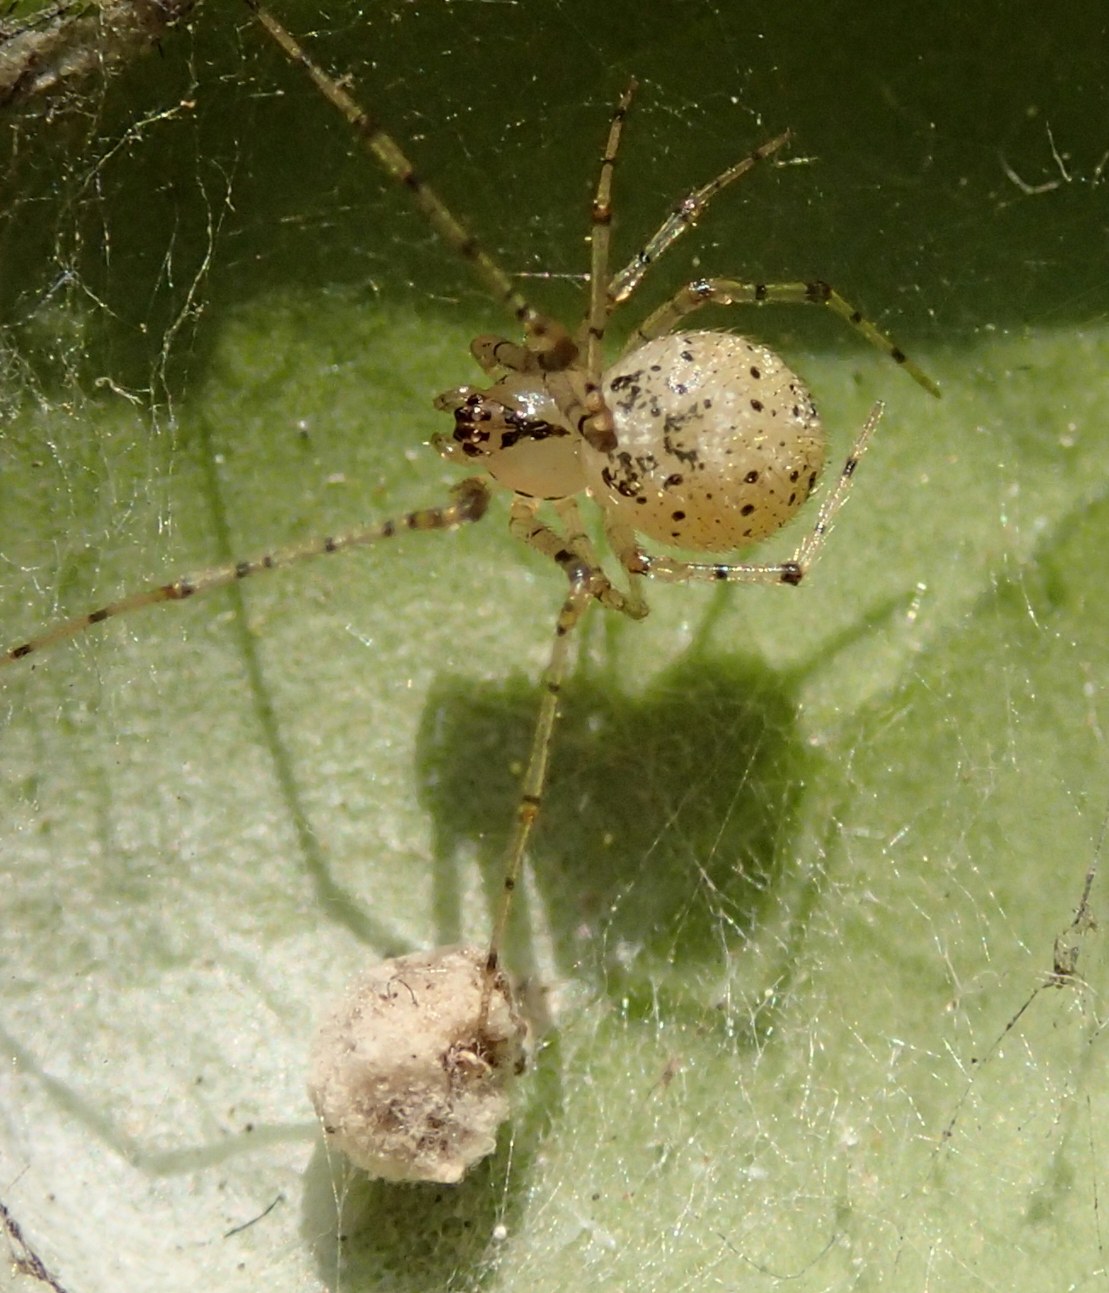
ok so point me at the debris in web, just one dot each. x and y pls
(406, 1080)
(24, 1259)
(64, 42)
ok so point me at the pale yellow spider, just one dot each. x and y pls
(699, 440)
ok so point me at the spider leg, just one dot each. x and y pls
(577, 602)
(569, 550)
(585, 409)
(682, 217)
(495, 354)
(631, 603)
(600, 238)
(728, 291)
(792, 571)
(574, 553)
(552, 343)
(470, 500)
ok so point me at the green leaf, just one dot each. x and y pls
(806, 852)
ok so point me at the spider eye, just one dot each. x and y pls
(471, 425)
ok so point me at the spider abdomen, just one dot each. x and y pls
(718, 442)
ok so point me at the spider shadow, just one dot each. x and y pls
(666, 821)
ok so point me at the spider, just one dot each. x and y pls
(697, 440)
